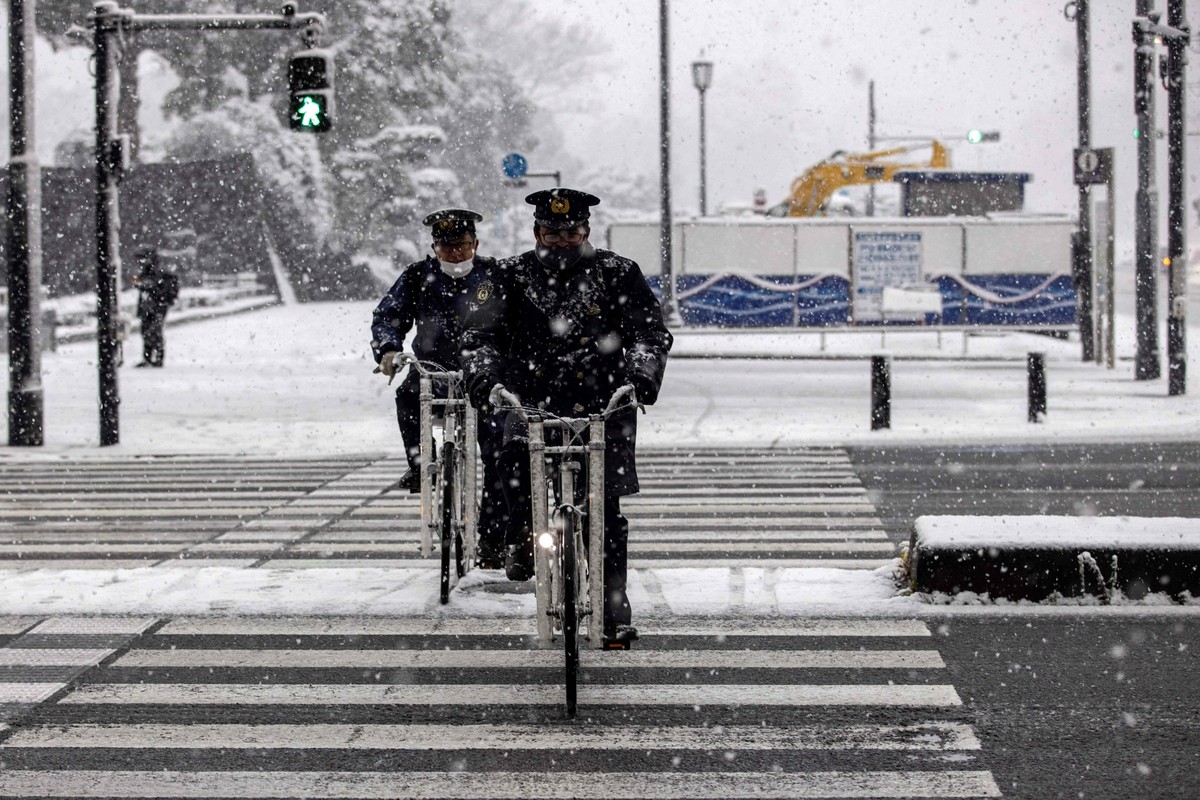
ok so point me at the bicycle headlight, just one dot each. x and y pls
(546, 541)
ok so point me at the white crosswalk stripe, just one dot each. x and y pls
(426, 707)
(735, 508)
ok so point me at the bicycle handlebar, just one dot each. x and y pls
(502, 398)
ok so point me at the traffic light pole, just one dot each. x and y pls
(1084, 258)
(1177, 45)
(109, 23)
(25, 400)
(1146, 364)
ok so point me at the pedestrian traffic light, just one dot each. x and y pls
(310, 88)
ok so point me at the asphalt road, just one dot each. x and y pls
(1070, 707)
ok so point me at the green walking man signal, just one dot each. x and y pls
(310, 86)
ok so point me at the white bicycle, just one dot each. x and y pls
(569, 592)
(449, 499)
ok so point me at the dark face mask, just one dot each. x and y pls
(562, 257)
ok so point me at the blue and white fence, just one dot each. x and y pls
(828, 273)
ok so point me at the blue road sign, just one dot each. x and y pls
(515, 165)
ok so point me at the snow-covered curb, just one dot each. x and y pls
(1060, 533)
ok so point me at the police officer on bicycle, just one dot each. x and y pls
(436, 294)
(566, 327)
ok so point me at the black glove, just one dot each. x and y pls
(645, 386)
(479, 387)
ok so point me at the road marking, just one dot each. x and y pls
(524, 659)
(718, 562)
(741, 536)
(652, 506)
(936, 736)
(340, 626)
(28, 692)
(497, 785)
(762, 547)
(484, 695)
(39, 657)
(95, 625)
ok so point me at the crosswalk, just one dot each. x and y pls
(734, 508)
(443, 707)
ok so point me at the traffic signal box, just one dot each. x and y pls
(310, 86)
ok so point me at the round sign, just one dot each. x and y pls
(1087, 161)
(515, 165)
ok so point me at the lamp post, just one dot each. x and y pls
(702, 72)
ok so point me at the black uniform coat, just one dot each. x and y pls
(566, 340)
(436, 303)
(155, 289)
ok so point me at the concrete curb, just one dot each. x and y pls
(1034, 572)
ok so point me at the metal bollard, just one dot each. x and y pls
(881, 392)
(1035, 368)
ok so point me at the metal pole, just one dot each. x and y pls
(1035, 373)
(703, 162)
(108, 258)
(25, 401)
(1110, 272)
(881, 392)
(1146, 366)
(670, 311)
(871, 142)
(1176, 208)
(1086, 280)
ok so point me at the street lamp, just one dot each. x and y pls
(702, 72)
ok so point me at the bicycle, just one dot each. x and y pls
(449, 499)
(569, 595)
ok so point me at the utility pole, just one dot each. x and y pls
(1146, 365)
(1084, 258)
(1176, 201)
(871, 141)
(111, 24)
(670, 311)
(25, 400)
(106, 25)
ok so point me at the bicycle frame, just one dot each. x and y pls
(540, 488)
(456, 411)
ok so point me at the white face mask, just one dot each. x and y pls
(457, 270)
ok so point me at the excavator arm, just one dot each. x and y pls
(812, 190)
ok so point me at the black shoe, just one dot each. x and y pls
(518, 562)
(489, 556)
(142, 364)
(620, 638)
(411, 481)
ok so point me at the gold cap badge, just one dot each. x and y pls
(560, 205)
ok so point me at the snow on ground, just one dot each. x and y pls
(297, 380)
(714, 592)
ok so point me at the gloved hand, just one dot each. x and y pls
(479, 387)
(388, 365)
(645, 386)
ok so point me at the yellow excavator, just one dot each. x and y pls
(811, 191)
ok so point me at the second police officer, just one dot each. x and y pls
(436, 294)
(567, 326)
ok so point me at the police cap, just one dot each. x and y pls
(561, 208)
(451, 223)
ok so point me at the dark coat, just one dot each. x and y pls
(566, 341)
(436, 303)
(157, 291)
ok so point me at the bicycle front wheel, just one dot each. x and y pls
(446, 512)
(570, 609)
